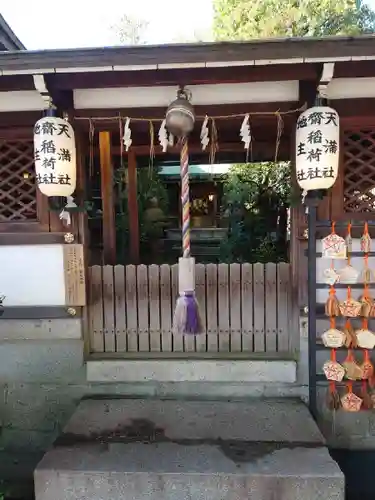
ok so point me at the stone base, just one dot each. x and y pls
(169, 471)
(150, 449)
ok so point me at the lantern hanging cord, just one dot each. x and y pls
(276, 113)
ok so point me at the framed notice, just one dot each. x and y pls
(42, 275)
(74, 275)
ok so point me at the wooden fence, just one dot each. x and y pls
(244, 307)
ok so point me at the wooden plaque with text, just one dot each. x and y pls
(74, 275)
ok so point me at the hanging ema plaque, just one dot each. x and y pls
(55, 156)
(317, 148)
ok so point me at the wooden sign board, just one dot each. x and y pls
(74, 275)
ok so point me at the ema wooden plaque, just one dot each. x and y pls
(74, 275)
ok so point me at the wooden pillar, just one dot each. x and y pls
(133, 208)
(108, 202)
(80, 218)
(81, 225)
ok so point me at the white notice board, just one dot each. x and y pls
(42, 275)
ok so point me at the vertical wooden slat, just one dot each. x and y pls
(143, 312)
(212, 319)
(178, 339)
(200, 290)
(270, 305)
(235, 307)
(165, 308)
(223, 304)
(131, 308)
(259, 338)
(253, 306)
(247, 307)
(109, 310)
(96, 309)
(189, 342)
(284, 308)
(120, 309)
(174, 285)
(108, 201)
(133, 207)
(154, 299)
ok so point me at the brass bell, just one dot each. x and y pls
(180, 116)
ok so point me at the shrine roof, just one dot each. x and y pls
(8, 39)
(255, 52)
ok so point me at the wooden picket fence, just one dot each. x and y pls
(245, 308)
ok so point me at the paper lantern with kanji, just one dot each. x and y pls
(317, 148)
(55, 156)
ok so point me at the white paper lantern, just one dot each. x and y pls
(317, 148)
(55, 156)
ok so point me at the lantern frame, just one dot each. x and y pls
(317, 175)
(55, 157)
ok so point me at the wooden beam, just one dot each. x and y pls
(133, 207)
(211, 110)
(10, 133)
(190, 76)
(354, 108)
(107, 191)
(25, 238)
(20, 119)
(354, 69)
(16, 82)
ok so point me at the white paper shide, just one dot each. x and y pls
(55, 156)
(317, 148)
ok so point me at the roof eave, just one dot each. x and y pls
(11, 37)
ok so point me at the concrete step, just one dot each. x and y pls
(171, 369)
(123, 449)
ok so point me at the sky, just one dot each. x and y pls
(81, 23)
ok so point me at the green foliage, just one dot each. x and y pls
(247, 19)
(256, 198)
(149, 186)
(249, 183)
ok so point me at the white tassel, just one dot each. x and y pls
(245, 132)
(65, 214)
(204, 134)
(171, 140)
(127, 139)
(163, 136)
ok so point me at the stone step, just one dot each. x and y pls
(135, 369)
(268, 420)
(165, 450)
(170, 471)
